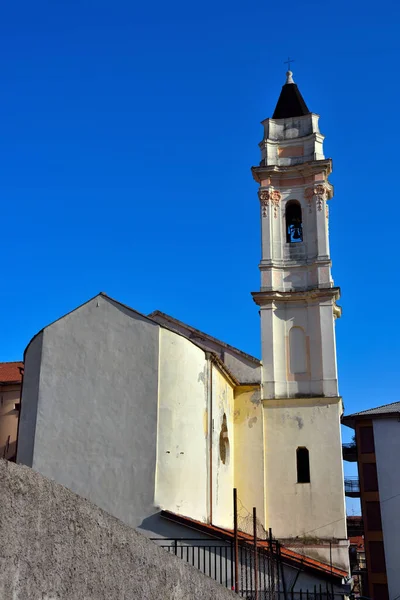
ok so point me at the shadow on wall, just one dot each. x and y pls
(56, 544)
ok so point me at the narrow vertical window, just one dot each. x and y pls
(294, 224)
(303, 465)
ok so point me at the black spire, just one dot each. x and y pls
(290, 102)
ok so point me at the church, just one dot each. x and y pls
(148, 417)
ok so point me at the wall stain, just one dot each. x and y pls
(252, 421)
(300, 423)
(256, 398)
(202, 376)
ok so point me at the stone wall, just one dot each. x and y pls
(58, 546)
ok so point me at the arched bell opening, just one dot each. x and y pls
(294, 222)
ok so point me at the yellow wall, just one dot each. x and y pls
(249, 452)
(222, 474)
(315, 509)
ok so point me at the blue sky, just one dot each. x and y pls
(127, 135)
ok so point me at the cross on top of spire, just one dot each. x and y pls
(288, 61)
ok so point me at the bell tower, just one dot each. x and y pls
(304, 495)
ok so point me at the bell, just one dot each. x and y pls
(296, 234)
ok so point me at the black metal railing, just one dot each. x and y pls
(349, 452)
(352, 486)
(216, 559)
(355, 526)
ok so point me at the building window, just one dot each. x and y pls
(224, 449)
(374, 521)
(370, 477)
(294, 225)
(377, 554)
(367, 445)
(303, 465)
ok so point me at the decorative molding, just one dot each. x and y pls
(320, 191)
(267, 196)
(316, 294)
(264, 200)
(304, 401)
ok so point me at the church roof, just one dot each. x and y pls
(197, 335)
(291, 102)
(10, 372)
(386, 410)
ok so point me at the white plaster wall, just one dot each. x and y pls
(222, 474)
(387, 451)
(318, 323)
(89, 407)
(315, 509)
(249, 451)
(182, 448)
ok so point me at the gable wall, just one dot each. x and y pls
(96, 417)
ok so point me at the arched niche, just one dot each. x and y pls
(297, 349)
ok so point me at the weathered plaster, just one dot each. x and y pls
(222, 474)
(91, 417)
(182, 447)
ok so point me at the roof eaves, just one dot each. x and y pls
(379, 412)
(222, 366)
(200, 333)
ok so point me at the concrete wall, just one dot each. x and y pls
(315, 509)
(29, 400)
(58, 546)
(182, 453)
(95, 407)
(387, 451)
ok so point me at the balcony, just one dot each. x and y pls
(355, 526)
(349, 452)
(352, 487)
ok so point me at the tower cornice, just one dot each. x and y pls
(266, 297)
(304, 169)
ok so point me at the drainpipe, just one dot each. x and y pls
(210, 433)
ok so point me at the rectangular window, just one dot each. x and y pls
(370, 477)
(366, 440)
(303, 465)
(374, 522)
(377, 555)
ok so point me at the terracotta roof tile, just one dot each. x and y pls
(10, 372)
(290, 555)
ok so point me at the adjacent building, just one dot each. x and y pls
(10, 394)
(377, 433)
(145, 415)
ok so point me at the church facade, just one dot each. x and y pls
(144, 413)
